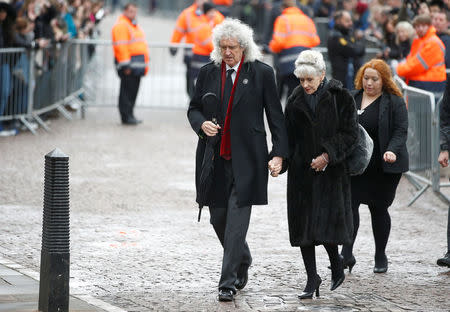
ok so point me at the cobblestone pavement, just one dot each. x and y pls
(136, 243)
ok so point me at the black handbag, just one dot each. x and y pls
(358, 160)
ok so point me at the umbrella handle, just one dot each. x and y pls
(199, 213)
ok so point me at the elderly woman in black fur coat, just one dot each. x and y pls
(322, 129)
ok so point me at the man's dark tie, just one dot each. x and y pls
(227, 92)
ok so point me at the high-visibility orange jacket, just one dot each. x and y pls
(223, 2)
(426, 60)
(293, 28)
(189, 22)
(203, 44)
(130, 47)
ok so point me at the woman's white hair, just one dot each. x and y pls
(309, 63)
(232, 28)
(408, 28)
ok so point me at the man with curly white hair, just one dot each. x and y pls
(245, 88)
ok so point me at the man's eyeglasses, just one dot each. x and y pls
(231, 48)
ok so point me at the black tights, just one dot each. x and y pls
(381, 227)
(309, 259)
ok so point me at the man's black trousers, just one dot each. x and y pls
(231, 224)
(448, 231)
(129, 87)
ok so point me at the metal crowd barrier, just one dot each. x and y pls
(14, 84)
(164, 86)
(58, 79)
(423, 140)
(34, 82)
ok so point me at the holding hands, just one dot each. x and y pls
(275, 166)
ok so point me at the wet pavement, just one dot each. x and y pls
(136, 243)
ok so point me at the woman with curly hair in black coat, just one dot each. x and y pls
(382, 112)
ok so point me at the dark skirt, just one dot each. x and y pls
(375, 188)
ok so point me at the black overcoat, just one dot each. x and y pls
(392, 130)
(255, 93)
(343, 48)
(319, 203)
(444, 127)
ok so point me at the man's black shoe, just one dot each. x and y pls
(226, 295)
(444, 261)
(242, 278)
(131, 121)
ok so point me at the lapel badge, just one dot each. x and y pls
(245, 81)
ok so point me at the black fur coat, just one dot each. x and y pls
(319, 203)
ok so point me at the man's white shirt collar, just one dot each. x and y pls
(235, 67)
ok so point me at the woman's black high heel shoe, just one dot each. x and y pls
(309, 294)
(337, 275)
(350, 263)
(381, 264)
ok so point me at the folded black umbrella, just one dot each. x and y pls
(211, 107)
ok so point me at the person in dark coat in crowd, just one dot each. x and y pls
(322, 130)
(443, 157)
(43, 27)
(382, 112)
(344, 50)
(440, 21)
(246, 88)
(389, 43)
(7, 19)
(324, 8)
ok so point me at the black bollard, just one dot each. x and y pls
(55, 253)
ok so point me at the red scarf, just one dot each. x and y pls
(225, 144)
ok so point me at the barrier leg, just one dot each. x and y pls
(64, 112)
(413, 181)
(443, 197)
(41, 123)
(27, 124)
(418, 194)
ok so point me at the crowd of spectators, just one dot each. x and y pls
(34, 24)
(385, 23)
(30, 23)
(389, 26)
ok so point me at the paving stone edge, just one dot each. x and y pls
(76, 293)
